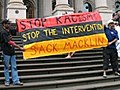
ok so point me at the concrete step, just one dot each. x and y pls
(62, 75)
(56, 64)
(16, 39)
(89, 83)
(81, 72)
(59, 59)
(60, 69)
(95, 86)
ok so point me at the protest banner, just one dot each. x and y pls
(61, 34)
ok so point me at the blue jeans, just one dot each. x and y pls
(10, 61)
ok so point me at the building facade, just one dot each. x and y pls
(21, 9)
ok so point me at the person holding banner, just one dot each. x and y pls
(8, 51)
(110, 52)
(72, 53)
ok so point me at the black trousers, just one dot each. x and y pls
(110, 55)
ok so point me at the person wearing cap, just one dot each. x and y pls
(8, 51)
(110, 52)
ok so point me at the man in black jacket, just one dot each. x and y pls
(8, 51)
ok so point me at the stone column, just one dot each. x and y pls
(16, 10)
(78, 5)
(102, 7)
(15, 0)
(47, 8)
(62, 6)
(101, 4)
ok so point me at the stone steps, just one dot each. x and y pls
(81, 72)
(72, 84)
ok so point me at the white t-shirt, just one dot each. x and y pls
(118, 42)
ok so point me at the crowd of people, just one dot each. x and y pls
(110, 53)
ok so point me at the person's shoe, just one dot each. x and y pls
(104, 75)
(116, 73)
(68, 56)
(7, 84)
(18, 83)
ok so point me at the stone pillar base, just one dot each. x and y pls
(61, 9)
(16, 10)
(106, 15)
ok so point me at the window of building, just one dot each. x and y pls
(53, 4)
(0, 11)
(30, 9)
(117, 5)
(87, 7)
(70, 3)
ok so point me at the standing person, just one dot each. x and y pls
(8, 50)
(70, 54)
(117, 27)
(110, 52)
(118, 13)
